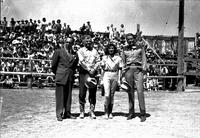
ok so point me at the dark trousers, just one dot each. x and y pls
(83, 89)
(134, 77)
(63, 98)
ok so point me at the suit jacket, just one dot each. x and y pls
(63, 65)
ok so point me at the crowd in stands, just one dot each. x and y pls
(38, 39)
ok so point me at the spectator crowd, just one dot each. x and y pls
(37, 40)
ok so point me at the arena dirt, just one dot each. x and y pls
(31, 113)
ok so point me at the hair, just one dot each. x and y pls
(107, 48)
(71, 39)
(130, 34)
(87, 36)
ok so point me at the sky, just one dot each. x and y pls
(156, 17)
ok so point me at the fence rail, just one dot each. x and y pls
(26, 73)
(30, 73)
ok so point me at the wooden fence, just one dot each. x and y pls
(30, 73)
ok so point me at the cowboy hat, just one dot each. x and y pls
(91, 82)
(125, 86)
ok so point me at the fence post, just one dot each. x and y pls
(1, 103)
(29, 80)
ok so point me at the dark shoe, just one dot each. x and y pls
(70, 116)
(60, 118)
(82, 111)
(92, 115)
(110, 111)
(142, 118)
(130, 116)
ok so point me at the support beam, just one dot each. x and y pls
(0, 10)
(180, 69)
(138, 28)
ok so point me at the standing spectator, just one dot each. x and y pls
(31, 26)
(63, 66)
(34, 26)
(116, 34)
(122, 31)
(68, 30)
(22, 26)
(4, 23)
(44, 25)
(83, 28)
(17, 69)
(135, 61)
(53, 26)
(88, 60)
(112, 65)
(64, 29)
(58, 26)
(88, 28)
(49, 28)
(12, 24)
(111, 36)
(39, 26)
(17, 26)
(107, 32)
(107, 29)
(26, 27)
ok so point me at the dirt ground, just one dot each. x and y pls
(31, 113)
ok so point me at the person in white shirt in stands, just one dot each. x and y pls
(112, 65)
(122, 30)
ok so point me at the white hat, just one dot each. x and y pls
(125, 86)
(91, 82)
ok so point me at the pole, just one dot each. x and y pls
(0, 10)
(180, 69)
(29, 80)
(154, 51)
(138, 28)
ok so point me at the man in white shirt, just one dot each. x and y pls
(88, 60)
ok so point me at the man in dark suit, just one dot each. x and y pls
(64, 63)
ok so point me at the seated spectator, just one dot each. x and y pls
(8, 82)
(49, 79)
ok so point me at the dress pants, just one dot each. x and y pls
(134, 77)
(83, 89)
(63, 98)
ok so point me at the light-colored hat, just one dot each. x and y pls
(91, 82)
(125, 86)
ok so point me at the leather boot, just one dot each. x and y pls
(131, 116)
(91, 113)
(106, 112)
(82, 111)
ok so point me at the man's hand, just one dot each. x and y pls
(119, 82)
(92, 71)
(145, 77)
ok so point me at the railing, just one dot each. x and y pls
(31, 74)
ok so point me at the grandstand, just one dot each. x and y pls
(27, 47)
